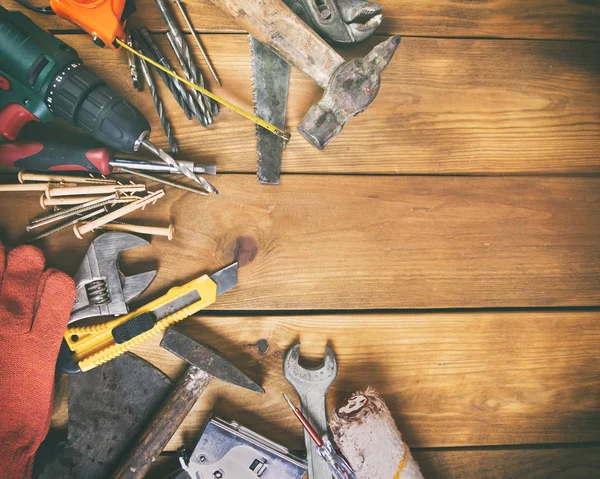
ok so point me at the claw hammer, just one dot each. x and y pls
(350, 87)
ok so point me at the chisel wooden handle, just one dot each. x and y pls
(275, 24)
(164, 424)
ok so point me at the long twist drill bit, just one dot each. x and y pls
(164, 181)
(186, 19)
(182, 52)
(160, 108)
(151, 49)
(180, 166)
(184, 57)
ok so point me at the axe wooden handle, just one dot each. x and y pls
(164, 424)
(275, 24)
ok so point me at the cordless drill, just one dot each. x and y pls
(41, 78)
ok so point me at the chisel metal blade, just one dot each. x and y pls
(271, 76)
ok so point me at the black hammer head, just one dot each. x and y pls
(207, 359)
(351, 89)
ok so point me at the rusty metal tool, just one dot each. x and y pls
(101, 288)
(350, 87)
(343, 21)
(311, 386)
(205, 363)
(338, 466)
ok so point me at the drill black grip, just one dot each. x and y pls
(114, 121)
(82, 98)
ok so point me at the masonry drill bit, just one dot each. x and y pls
(182, 52)
(132, 60)
(180, 166)
(151, 49)
(160, 107)
(186, 19)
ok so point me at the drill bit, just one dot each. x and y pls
(164, 181)
(132, 60)
(182, 52)
(160, 107)
(184, 57)
(180, 166)
(151, 49)
(186, 18)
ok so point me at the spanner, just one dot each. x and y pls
(101, 288)
(311, 386)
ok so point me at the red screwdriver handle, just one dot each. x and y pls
(36, 156)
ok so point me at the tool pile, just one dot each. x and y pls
(86, 204)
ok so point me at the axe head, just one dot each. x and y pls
(351, 89)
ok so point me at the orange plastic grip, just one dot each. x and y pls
(99, 18)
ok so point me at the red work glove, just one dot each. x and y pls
(34, 311)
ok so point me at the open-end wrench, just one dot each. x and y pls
(311, 386)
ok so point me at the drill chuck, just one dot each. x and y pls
(82, 98)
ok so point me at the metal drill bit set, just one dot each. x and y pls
(193, 103)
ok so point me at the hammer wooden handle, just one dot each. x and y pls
(164, 424)
(275, 24)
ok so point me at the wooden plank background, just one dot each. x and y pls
(446, 244)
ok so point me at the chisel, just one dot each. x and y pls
(47, 156)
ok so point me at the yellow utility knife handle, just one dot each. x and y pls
(95, 345)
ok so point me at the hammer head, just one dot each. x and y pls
(351, 89)
(207, 359)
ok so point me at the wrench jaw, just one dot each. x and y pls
(312, 385)
(101, 288)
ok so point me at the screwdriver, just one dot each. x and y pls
(338, 466)
(48, 156)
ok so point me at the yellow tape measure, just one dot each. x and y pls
(259, 121)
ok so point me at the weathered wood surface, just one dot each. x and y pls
(321, 242)
(550, 19)
(552, 463)
(449, 379)
(445, 107)
(573, 462)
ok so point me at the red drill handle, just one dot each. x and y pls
(37, 156)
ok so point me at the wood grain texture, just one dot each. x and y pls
(570, 462)
(445, 107)
(552, 463)
(550, 19)
(448, 379)
(321, 242)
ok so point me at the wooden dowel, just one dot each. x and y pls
(67, 200)
(52, 192)
(45, 177)
(80, 230)
(169, 231)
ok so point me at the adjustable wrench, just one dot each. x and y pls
(101, 288)
(311, 386)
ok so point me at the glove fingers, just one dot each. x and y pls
(24, 268)
(55, 297)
